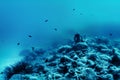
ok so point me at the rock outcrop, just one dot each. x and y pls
(93, 59)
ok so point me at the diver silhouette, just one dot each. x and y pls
(78, 38)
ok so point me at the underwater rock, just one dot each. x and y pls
(105, 58)
(90, 63)
(51, 58)
(63, 69)
(24, 77)
(112, 69)
(82, 46)
(52, 64)
(89, 74)
(17, 77)
(65, 59)
(116, 60)
(55, 76)
(75, 57)
(31, 77)
(106, 77)
(64, 49)
(101, 40)
(38, 68)
(39, 52)
(92, 59)
(116, 76)
(101, 48)
(70, 74)
(74, 64)
(20, 67)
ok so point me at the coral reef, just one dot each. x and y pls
(88, 59)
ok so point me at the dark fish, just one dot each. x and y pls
(18, 43)
(55, 29)
(81, 13)
(74, 9)
(78, 38)
(110, 34)
(33, 48)
(46, 20)
(30, 36)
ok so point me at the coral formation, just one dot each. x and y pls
(90, 59)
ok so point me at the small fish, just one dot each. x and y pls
(33, 48)
(46, 20)
(73, 9)
(55, 29)
(110, 34)
(18, 43)
(81, 13)
(29, 36)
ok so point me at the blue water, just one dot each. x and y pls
(21, 18)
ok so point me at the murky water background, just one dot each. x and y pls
(51, 22)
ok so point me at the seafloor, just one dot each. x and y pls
(95, 58)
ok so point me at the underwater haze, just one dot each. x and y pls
(47, 23)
